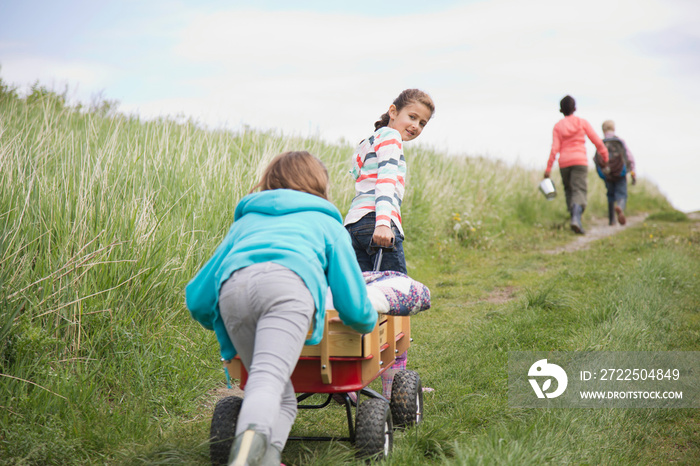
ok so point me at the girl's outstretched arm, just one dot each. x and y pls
(202, 292)
(595, 139)
(348, 287)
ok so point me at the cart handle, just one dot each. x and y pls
(380, 252)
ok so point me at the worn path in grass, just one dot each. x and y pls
(596, 229)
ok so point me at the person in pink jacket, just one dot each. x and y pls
(569, 141)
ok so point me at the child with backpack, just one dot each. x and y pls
(620, 163)
(267, 282)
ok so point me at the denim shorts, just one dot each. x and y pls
(361, 233)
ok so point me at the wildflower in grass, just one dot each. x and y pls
(467, 231)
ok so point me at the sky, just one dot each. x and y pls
(496, 69)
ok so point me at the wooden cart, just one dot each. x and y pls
(345, 361)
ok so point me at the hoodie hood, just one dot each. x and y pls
(570, 126)
(284, 201)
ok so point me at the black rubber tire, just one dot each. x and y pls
(374, 431)
(223, 429)
(406, 399)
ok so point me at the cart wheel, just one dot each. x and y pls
(374, 432)
(406, 399)
(223, 429)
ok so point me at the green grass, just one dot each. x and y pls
(669, 216)
(104, 218)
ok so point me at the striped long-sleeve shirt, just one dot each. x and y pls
(379, 169)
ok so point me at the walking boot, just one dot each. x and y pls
(611, 213)
(576, 211)
(620, 215)
(248, 448)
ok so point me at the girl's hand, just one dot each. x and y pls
(383, 236)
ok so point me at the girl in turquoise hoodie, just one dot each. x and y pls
(266, 284)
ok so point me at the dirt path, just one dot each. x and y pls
(596, 229)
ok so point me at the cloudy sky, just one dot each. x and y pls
(495, 68)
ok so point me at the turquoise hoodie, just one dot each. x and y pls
(300, 231)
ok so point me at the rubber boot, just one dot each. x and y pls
(611, 213)
(576, 211)
(248, 448)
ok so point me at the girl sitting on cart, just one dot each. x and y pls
(266, 283)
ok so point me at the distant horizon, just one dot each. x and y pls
(496, 69)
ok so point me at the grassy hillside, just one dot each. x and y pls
(104, 219)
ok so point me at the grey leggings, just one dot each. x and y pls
(267, 310)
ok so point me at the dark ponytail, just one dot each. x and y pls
(382, 122)
(406, 97)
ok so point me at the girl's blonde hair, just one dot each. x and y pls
(407, 97)
(297, 170)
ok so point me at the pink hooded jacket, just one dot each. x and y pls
(568, 139)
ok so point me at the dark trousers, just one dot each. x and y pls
(575, 180)
(361, 233)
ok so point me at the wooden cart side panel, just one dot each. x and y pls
(403, 325)
(340, 344)
(372, 366)
(343, 341)
(374, 359)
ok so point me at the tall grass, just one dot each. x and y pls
(103, 220)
